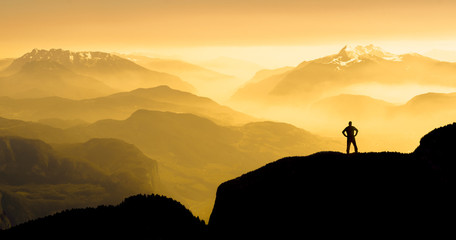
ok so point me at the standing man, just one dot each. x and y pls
(349, 132)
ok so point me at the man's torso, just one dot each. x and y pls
(350, 130)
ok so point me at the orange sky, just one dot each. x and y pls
(120, 25)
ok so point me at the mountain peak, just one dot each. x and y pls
(66, 57)
(355, 54)
(359, 50)
(80, 61)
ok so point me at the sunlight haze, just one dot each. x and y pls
(103, 99)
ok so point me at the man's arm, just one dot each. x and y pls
(356, 130)
(343, 132)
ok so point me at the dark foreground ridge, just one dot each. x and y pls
(331, 194)
(137, 217)
(327, 194)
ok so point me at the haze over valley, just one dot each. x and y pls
(198, 143)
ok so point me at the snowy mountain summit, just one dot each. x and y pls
(356, 54)
(66, 57)
(80, 62)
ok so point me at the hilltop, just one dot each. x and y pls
(331, 194)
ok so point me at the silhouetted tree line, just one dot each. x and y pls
(139, 216)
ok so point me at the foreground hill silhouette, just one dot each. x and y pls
(331, 194)
(139, 216)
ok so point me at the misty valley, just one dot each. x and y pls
(93, 130)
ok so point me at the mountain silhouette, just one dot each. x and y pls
(33, 130)
(139, 216)
(120, 106)
(331, 194)
(37, 179)
(436, 151)
(112, 70)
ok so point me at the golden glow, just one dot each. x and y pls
(268, 34)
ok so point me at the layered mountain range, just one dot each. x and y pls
(119, 106)
(194, 154)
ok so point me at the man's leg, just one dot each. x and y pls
(348, 145)
(354, 144)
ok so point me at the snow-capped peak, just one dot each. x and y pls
(354, 54)
(369, 50)
(67, 57)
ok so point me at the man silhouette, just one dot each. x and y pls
(349, 132)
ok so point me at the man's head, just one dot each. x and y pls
(350, 123)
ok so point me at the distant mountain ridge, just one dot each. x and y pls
(207, 82)
(119, 106)
(350, 66)
(116, 72)
(67, 58)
